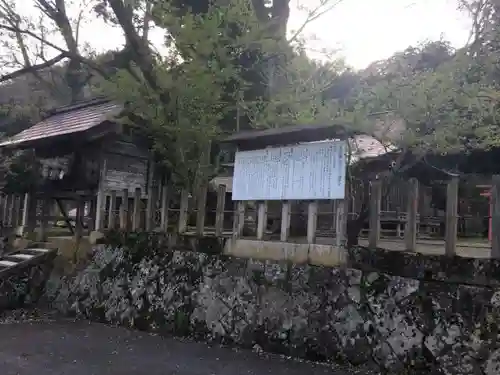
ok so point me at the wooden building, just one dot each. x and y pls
(82, 153)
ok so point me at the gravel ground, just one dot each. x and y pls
(38, 342)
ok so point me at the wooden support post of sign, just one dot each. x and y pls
(411, 216)
(165, 201)
(286, 214)
(374, 217)
(451, 216)
(341, 223)
(239, 219)
(219, 212)
(184, 211)
(112, 211)
(495, 217)
(124, 210)
(136, 218)
(261, 219)
(312, 221)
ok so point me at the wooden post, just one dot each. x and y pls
(5, 213)
(112, 209)
(101, 198)
(92, 213)
(343, 213)
(42, 234)
(124, 211)
(451, 216)
(10, 215)
(286, 213)
(16, 211)
(495, 217)
(341, 223)
(151, 209)
(25, 219)
(80, 208)
(2, 204)
(239, 219)
(261, 219)
(165, 201)
(201, 206)
(151, 202)
(183, 212)
(375, 202)
(312, 221)
(411, 216)
(219, 212)
(6, 203)
(202, 186)
(136, 218)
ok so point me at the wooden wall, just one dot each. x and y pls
(125, 166)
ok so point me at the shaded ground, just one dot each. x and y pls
(80, 348)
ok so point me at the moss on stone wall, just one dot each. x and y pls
(332, 314)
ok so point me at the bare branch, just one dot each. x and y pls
(69, 54)
(314, 14)
(32, 68)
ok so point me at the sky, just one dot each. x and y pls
(364, 31)
(361, 31)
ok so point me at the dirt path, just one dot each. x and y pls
(81, 348)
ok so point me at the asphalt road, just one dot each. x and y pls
(81, 348)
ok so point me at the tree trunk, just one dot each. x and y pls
(354, 227)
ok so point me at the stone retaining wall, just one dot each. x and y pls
(411, 322)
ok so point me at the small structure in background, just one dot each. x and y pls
(83, 154)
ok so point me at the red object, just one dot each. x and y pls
(487, 193)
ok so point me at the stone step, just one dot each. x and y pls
(9, 263)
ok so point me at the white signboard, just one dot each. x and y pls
(307, 171)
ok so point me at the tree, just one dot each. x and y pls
(439, 94)
(225, 60)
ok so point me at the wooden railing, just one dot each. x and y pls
(185, 213)
(411, 220)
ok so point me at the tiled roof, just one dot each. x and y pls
(366, 146)
(66, 120)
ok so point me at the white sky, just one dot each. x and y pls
(369, 30)
(362, 31)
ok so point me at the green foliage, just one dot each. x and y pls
(225, 72)
(442, 107)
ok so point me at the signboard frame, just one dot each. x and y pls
(307, 171)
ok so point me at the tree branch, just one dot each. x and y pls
(32, 68)
(141, 51)
(66, 53)
(314, 15)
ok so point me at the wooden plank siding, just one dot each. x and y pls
(127, 167)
